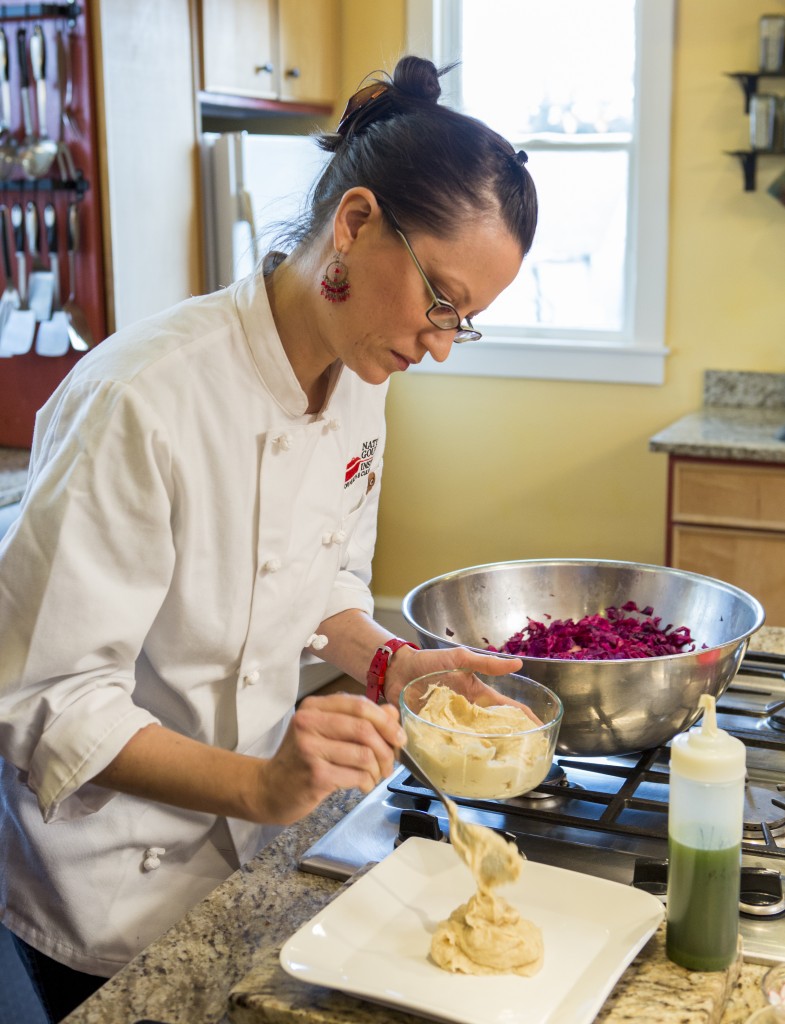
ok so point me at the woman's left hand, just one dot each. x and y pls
(408, 664)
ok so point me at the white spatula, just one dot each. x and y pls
(19, 328)
(52, 338)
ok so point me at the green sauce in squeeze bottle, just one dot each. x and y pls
(705, 822)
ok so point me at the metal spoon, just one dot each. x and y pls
(36, 155)
(46, 147)
(78, 328)
(499, 864)
(8, 147)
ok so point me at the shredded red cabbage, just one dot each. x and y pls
(607, 637)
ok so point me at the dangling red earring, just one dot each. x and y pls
(335, 281)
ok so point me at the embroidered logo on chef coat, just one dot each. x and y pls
(360, 465)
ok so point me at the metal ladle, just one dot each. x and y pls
(8, 147)
(78, 328)
(36, 153)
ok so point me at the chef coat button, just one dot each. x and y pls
(272, 565)
(339, 537)
(152, 857)
(327, 538)
(334, 424)
(317, 641)
(251, 677)
(283, 441)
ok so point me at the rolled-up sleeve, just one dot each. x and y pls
(83, 573)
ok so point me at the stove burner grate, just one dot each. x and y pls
(633, 803)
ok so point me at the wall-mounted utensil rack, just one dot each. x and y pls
(27, 380)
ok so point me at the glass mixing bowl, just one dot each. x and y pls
(481, 745)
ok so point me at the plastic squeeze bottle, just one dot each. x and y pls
(705, 822)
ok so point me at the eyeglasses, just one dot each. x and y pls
(440, 313)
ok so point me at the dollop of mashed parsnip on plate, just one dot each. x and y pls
(486, 935)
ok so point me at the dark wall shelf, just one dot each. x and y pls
(749, 163)
(748, 80)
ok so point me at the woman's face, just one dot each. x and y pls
(382, 326)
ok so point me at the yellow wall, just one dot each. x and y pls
(488, 469)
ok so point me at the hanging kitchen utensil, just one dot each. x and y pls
(65, 85)
(40, 285)
(9, 300)
(78, 328)
(36, 153)
(52, 338)
(8, 148)
(20, 329)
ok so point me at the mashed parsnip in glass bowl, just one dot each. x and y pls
(487, 737)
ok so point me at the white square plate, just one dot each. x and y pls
(373, 940)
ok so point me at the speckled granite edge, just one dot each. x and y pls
(743, 388)
(751, 434)
(185, 976)
(652, 991)
(655, 990)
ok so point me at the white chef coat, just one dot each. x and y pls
(186, 527)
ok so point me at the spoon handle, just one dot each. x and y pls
(38, 67)
(24, 81)
(5, 88)
(4, 247)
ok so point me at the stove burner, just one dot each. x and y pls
(555, 789)
(760, 893)
(556, 777)
(776, 716)
(764, 817)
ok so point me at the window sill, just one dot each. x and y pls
(599, 362)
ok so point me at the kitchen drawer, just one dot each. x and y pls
(725, 494)
(751, 559)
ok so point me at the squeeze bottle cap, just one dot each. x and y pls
(706, 753)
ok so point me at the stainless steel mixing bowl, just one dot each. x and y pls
(610, 707)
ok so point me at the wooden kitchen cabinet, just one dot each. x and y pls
(280, 50)
(727, 520)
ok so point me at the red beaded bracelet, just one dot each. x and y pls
(374, 689)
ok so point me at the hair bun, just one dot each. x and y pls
(415, 76)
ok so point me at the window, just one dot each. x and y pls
(584, 87)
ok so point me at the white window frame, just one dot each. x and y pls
(636, 355)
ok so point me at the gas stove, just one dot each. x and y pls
(608, 816)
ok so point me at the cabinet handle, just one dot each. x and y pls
(267, 68)
(292, 72)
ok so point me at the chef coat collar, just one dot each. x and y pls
(271, 363)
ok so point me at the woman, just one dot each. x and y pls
(201, 509)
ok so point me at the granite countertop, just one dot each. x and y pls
(742, 418)
(13, 474)
(219, 965)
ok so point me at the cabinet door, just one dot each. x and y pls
(308, 39)
(238, 48)
(751, 559)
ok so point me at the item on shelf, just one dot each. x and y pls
(777, 188)
(772, 42)
(763, 121)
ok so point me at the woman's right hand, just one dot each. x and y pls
(340, 741)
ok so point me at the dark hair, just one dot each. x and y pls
(426, 163)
